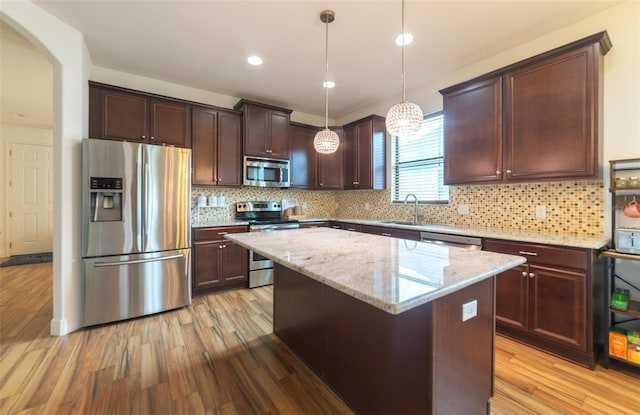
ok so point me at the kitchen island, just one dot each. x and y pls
(394, 326)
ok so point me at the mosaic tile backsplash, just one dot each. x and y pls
(572, 207)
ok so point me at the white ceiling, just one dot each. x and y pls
(204, 44)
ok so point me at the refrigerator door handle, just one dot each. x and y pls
(145, 214)
(139, 202)
(137, 261)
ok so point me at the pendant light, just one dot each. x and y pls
(326, 141)
(406, 117)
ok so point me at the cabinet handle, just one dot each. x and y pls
(220, 246)
(386, 234)
(222, 233)
(532, 274)
(528, 253)
(153, 138)
(498, 172)
(144, 136)
(321, 185)
(336, 227)
(524, 273)
(508, 171)
(350, 229)
(269, 151)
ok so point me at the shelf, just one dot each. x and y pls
(633, 310)
(620, 359)
(610, 253)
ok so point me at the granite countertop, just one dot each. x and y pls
(392, 274)
(570, 240)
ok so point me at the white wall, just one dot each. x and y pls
(12, 134)
(65, 48)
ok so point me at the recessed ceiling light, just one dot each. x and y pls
(406, 38)
(328, 84)
(254, 60)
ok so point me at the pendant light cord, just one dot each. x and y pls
(403, 43)
(326, 73)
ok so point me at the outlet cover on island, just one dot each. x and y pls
(304, 205)
(541, 212)
(463, 209)
(469, 310)
(366, 206)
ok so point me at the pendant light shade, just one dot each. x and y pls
(406, 117)
(326, 141)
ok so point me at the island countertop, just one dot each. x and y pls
(392, 274)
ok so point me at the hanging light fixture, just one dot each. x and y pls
(406, 117)
(326, 141)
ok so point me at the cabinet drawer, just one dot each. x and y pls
(551, 255)
(213, 234)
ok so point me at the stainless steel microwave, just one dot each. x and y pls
(266, 172)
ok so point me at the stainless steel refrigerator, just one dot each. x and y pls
(136, 220)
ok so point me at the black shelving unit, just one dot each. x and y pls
(621, 191)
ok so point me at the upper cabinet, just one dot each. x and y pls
(121, 114)
(266, 129)
(365, 153)
(538, 119)
(217, 147)
(310, 169)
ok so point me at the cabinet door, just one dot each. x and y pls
(229, 160)
(552, 118)
(124, 116)
(330, 166)
(278, 139)
(204, 126)
(350, 158)
(302, 157)
(364, 166)
(206, 260)
(558, 305)
(512, 298)
(473, 133)
(170, 123)
(234, 263)
(256, 121)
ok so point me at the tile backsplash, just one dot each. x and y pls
(572, 207)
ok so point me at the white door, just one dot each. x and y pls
(30, 199)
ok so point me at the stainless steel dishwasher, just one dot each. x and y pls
(459, 241)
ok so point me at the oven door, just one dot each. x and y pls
(257, 261)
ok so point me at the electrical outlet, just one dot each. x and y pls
(469, 310)
(304, 205)
(366, 206)
(541, 212)
(463, 209)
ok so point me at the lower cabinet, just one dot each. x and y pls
(217, 262)
(548, 302)
(314, 224)
(392, 232)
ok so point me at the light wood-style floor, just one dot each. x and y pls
(219, 356)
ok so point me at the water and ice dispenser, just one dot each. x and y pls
(106, 199)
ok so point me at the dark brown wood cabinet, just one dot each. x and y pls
(217, 262)
(310, 169)
(302, 156)
(538, 119)
(266, 129)
(548, 302)
(122, 114)
(365, 154)
(314, 224)
(392, 232)
(216, 139)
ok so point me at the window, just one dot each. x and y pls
(417, 163)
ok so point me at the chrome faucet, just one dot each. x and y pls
(415, 214)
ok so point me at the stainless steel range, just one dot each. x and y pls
(263, 216)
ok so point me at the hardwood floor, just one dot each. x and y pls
(219, 356)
